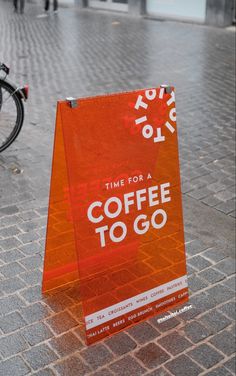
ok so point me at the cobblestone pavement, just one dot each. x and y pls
(81, 53)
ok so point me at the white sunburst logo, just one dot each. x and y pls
(149, 131)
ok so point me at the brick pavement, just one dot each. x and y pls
(81, 53)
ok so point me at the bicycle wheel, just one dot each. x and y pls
(11, 114)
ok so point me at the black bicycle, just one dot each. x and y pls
(11, 109)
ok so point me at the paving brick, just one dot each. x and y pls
(214, 254)
(12, 322)
(227, 266)
(71, 293)
(159, 372)
(152, 355)
(28, 237)
(97, 356)
(189, 237)
(12, 255)
(225, 342)
(183, 365)
(226, 207)
(36, 333)
(219, 371)
(225, 195)
(11, 285)
(143, 332)
(72, 366)
(230, 283)
(174, 343)
(61, 322)
(39, 356)
(232, 329)
(220, 293)
(32, 294)
(42, 232)
(103, 372)
(195, 247)
(215, 320)
(199, 262)
(9, 220)
(211, 200)
(12, 344)
(233, 214)
(205, 355)
(228, 309)
(9, 243)
(9, 210)
(211, 275)
(28, 215)
(45, 372)
(34, 312)
(201, 302)
(120, 344)
(217, 187)
(42, 211)
(232, 188)
(31, 263)
(78, 331)
(165, 325)
(200, 193)
(14, 366)
(231, 364)
(12, 269)
(30, 248)
(66, 344)
(32, 224)
(7, 232)
(220, 175)
(127, 366)
(10, 303)
(196, 332)
(190, 270)
(187, 187)
(76, 311)
(195, 283)
(59, 302)
(32, 277)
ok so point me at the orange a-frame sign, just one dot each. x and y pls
(115, 220)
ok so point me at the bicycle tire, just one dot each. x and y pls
(19, 112)
(0, 98)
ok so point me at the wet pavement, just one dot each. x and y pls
(82, 53)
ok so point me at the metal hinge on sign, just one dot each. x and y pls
(72, 102)
(167, 88)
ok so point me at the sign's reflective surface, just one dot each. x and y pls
(115, 216)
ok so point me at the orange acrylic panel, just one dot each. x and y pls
(115, 223)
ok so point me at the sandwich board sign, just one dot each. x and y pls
(115, 223)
